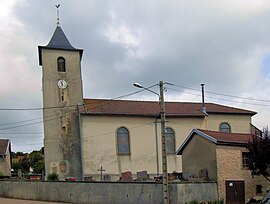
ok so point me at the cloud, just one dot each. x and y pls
(223, 44)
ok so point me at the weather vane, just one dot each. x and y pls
(57, 9)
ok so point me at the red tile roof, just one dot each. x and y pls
(223, 137)
(151, 108)
(4, 145)
(218, 138)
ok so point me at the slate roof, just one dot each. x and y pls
(4, 146)
(58, 41)
(218, 138)
(151, 108)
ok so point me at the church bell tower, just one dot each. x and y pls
(62, 93)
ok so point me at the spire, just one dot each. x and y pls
(59, 40)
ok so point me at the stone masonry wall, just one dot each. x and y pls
(229, 167)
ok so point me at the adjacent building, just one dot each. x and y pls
(223, 157)
(5, 157)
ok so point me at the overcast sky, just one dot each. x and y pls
(222, 43)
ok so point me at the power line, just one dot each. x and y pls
(21, 137)
(69, 106)
(17, 122)
(242, 102)
(18, 126)
(223, 99)
(221, 94)
(21, 133)
(34, 123)
(111, 101)
(23, 121)
(36, 108)
(19, 145)
(119, 97)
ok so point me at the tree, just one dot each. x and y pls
(39, 167)
(35, 160)
(259, 148)
(25, 164)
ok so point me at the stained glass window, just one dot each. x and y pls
(170, 140)
(123, 141)
(224, 127)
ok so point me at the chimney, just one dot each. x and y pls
(203, 105)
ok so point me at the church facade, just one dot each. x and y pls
(83, 137)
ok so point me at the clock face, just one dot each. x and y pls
(62, 84)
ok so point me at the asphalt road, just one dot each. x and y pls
(16, 201)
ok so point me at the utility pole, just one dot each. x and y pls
(163, 136)
(164, 153)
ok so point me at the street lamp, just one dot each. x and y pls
(163, 137)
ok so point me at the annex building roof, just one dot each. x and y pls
(218, 138)
(151, 108)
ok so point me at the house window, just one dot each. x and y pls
(258, 189)
(61, 64)
(245, 159)
(123, 141)
(170, 140)
(224, 127)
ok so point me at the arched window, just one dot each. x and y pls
(123, 141)
(170, 141)
(61, 64)
(224, 127)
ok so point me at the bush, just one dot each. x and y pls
(53, 177)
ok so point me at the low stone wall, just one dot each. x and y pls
(103, 193)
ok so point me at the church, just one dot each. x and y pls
(86, 137)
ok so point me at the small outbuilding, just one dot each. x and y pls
(222, 157)
(5, 157)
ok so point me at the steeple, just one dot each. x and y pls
(59, 40)
(62, 89)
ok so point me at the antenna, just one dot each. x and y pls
(57, 10)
